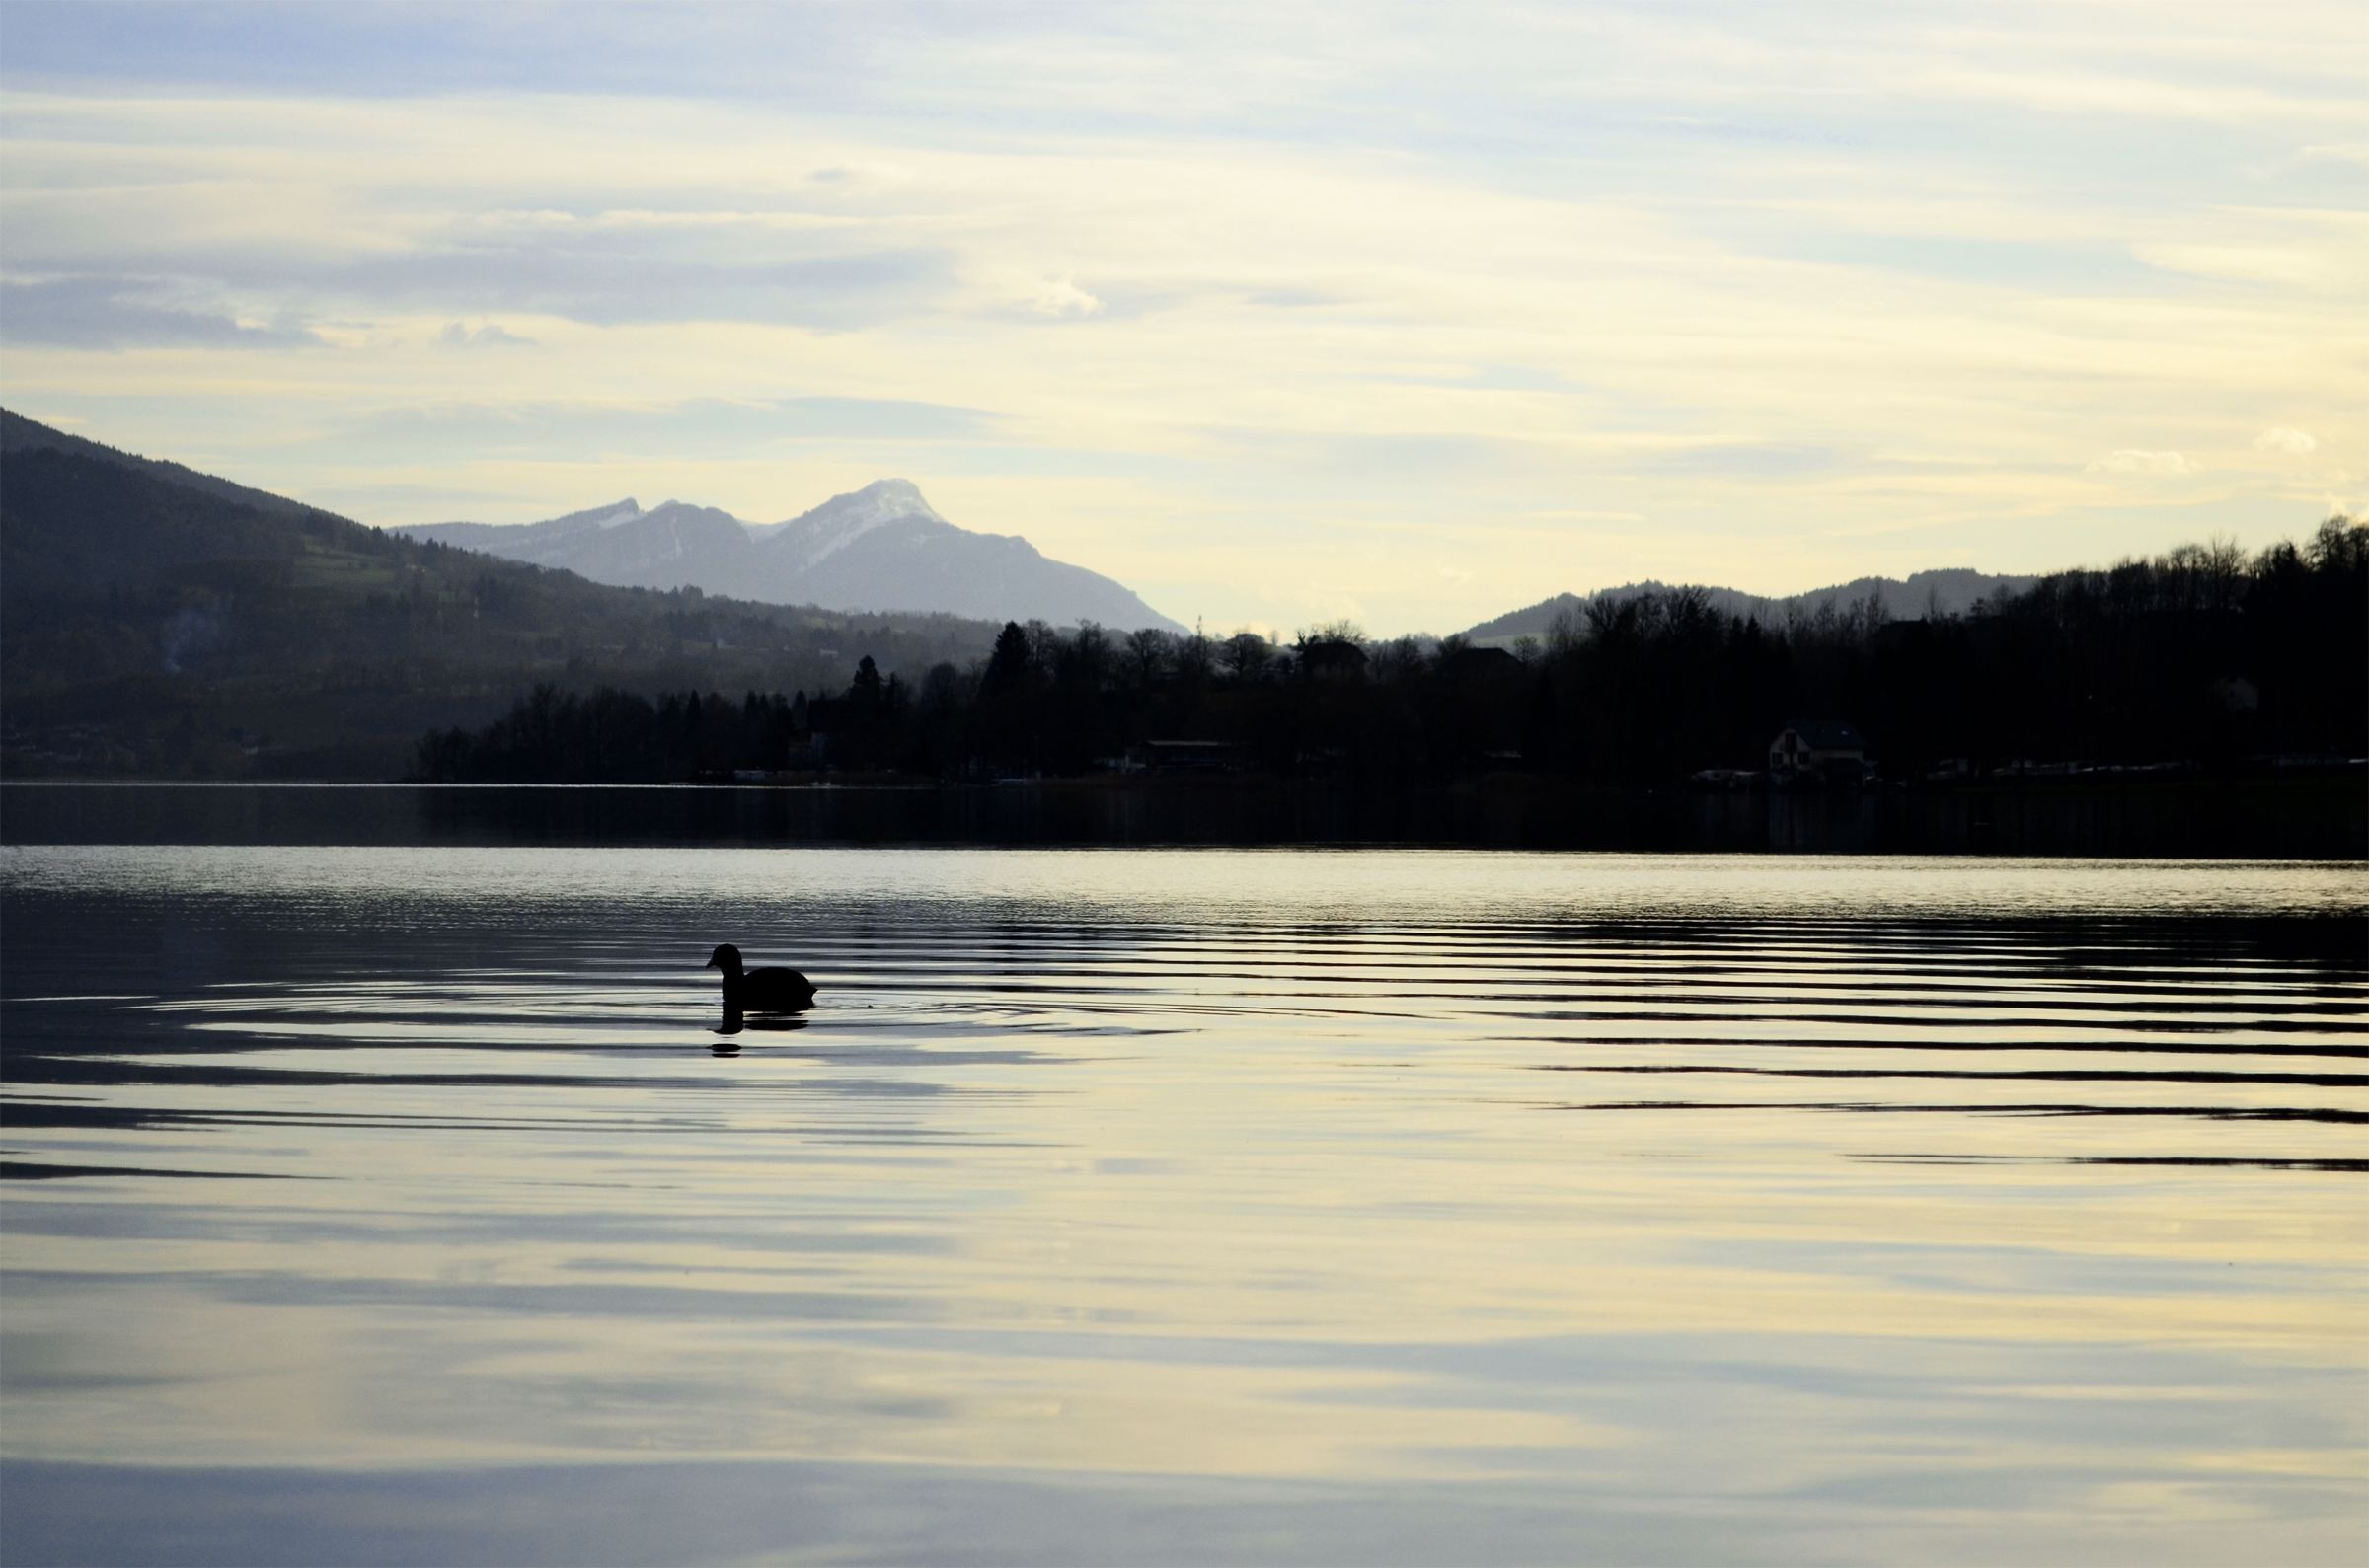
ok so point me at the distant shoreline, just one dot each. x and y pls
(2303, 817)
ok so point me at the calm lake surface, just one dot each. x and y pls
(387, 1203)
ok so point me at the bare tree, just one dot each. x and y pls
(1149, 651)
(1563, 633)
(2221, 571)
(1868, 615)
(2341, 544)
(1246, 655)
(1195, 655)
(1339, 629)
(1398, 660)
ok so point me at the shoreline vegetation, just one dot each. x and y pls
(163, 625)
(2291, 815)
(2202, 663)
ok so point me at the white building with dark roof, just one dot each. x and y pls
(1817, 746)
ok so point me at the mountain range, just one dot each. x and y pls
(1947, 591)
(883, 547)
(159, 621)
(162, 622)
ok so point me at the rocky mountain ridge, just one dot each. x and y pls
(881, 547)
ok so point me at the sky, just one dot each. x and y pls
(1277, 313)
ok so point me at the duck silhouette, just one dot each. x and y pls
(759, 990)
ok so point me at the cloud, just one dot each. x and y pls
(2287, 440)
(1756, 459)
(1061, 299)
(2338, 152)
(491, 336)
(1814, 289)
(1295, 298)
(604, 278)
(360, 501)
(882, 419)
(2077, 91)
(123, 313)
(2300, 264)
(691, 425)
(1384, 461)
(2134, 459)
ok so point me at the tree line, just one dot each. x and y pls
(2204, 654)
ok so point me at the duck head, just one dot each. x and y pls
(726, 957)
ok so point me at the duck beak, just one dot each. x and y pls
(709, 964)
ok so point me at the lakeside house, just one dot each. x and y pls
(1480, 666)
(1333, 659)
(1826, 748)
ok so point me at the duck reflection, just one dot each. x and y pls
(734, 1020)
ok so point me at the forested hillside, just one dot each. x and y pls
(159, 624)
(1922, 595)
(2201, 660)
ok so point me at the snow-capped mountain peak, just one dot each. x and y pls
(901, 496)
(591, 520)
(879, 547)
(839, 522)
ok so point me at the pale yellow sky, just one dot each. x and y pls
(1380, 313)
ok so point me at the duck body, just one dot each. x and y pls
(768, 990)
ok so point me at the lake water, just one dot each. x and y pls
(386, 1203)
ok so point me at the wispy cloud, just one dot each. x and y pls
(115, 313)
(1600, 292)
(555, 428)
(1754, 459)
(2139, 461)
(490, 335)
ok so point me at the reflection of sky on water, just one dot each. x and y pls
(1216, 892)
(1238, 1204)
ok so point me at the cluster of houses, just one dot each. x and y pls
(1812, 754)
(1806, 752)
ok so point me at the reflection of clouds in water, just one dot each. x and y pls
(1513, 1184)
(893, 893)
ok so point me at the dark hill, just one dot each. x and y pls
(162, 622)
(1950, 590)
(19, 434)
